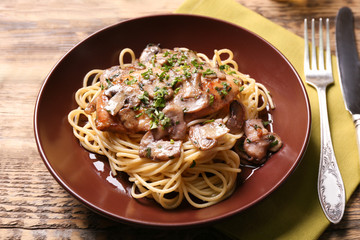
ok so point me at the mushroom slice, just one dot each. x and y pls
(104, 120)
(91, 107)
(192, 105)
(275, 143)
(112, 90)
(205, 136)
(115, 103)
(257, 149)
(259, 141)
(128, 119)
(256, 143)
(149, 52)
(111, 75)
(121, 96)
(190, 96)
(160, 150)
(236, 120)
(177, 129)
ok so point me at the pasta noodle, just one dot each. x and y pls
(201, 177)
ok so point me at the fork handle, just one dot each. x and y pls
(356, 119)
(331, 188)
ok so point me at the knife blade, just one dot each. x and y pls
(348, 65)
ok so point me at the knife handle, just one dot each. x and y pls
(356, 119)
(331, 188)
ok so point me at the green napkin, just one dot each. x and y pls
(292, 211)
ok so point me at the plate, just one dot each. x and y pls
(87, 178)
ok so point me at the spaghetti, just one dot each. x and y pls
(201, 177)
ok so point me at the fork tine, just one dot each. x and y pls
(328, 51)
(321, 47)
(306, 48)
(313, 46)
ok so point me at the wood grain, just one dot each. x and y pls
(33, 36)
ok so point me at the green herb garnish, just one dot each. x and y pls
(208, 72)
(208, 121)
(147, 74)
(144, 97)
(224, 67)
(211, 100)
(274, 143)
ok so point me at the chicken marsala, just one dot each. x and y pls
(164, 90)
(177, 123)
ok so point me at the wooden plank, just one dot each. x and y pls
(34, 35)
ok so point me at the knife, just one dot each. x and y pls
(348, 65)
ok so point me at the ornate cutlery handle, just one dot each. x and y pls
(356, 119)
(330, 184)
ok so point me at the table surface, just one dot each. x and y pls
(34, 35)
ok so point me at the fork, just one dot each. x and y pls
(318, 73)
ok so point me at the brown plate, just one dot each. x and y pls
(87, 178)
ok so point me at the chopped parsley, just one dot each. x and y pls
(211, 100)
(130, 82)
(196, 64)
(158, 118)
(224, 67)
(177, 90)
(159, 100)
(144, 97)
(182, 58)
(225, 84)
(172, 60)
(147, 74)
(187, 74)
(208, 121)
(224, 90)
(208, 72)
(266, 123)
(175, 82)
(163, 76)
(271, 137)
(139, 115)
(141, 65)
(148, 152)
(274, 143)
(109, 83)
(166, 68)
(153, 60)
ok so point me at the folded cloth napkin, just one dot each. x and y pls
(293, 210)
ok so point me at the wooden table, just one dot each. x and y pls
(33, 36)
